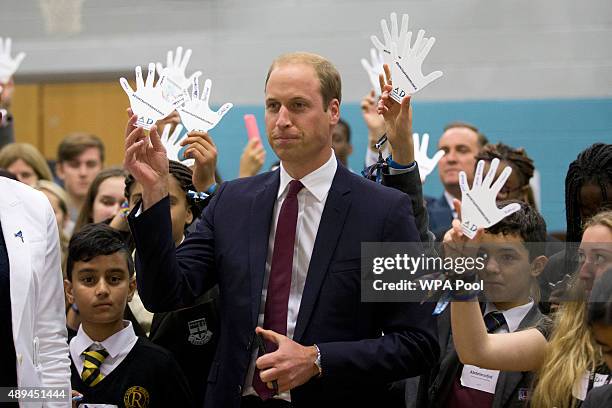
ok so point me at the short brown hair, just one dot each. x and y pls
(329, 77)
(30, 155)
(76, 143)
(482, 139)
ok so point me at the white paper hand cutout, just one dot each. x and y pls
(399, 37)
(171, 142)
(8, 65)
(406, 70)
(147, 101)
(426, 165)
(478, 207)
(176, 81)
(196, 114)
(374, 69)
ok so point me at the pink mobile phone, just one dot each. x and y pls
(251, 126)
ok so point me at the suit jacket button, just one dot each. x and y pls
(240, 389)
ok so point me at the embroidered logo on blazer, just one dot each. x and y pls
(198, 332)
(136, 397)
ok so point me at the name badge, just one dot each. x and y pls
(479, 378)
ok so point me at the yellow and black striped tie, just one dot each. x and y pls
(91, 374)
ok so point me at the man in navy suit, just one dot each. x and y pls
(285, 249)
(460, 142)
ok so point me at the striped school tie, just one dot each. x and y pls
(494, 320)
(91, 374)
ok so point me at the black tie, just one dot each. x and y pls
(494, 320)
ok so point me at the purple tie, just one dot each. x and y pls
(279, 283)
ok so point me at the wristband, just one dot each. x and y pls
(397, 166)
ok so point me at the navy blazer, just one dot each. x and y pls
(440, 216)
(229, 247)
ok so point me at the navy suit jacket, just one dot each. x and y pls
(229, 247)
(440, 216)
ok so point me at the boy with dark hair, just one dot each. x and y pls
(513, 250)
(110, 365)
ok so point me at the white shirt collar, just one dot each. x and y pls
(115, 344)
(449, 199)
(317, 182)
(513, 316)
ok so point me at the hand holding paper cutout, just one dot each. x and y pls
(147, 102)
(171, 142)
(398, 37)
(375, 68)
(406, 69)
(478, 206)
(8, 65)
(176, 81)
(196, 114)
(426, 165)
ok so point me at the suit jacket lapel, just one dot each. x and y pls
(509, 380)
(330, 228)
(18, 249)
(259, 232)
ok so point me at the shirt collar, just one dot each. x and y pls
(115, 344)
(317, 182)
(513, 316)
(449, 200)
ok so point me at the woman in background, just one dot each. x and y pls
(25, 162)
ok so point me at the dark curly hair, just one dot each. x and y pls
(183, 175)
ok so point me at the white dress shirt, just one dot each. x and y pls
(311, 202)
(449, 199)
(513, 316)
(118, 346)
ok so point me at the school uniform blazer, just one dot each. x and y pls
(229, 247)
(434, 389)
(37, 300)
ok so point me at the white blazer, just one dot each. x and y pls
(37, 300)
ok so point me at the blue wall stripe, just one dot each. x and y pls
(552, 131)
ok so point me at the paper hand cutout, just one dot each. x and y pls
(172, 143)
(426, 165)
(374, 69)
(147, 102)
(196, 114)
(176, 81)
(399, 37)
(8, 65)
(406, 70)
(478, 206)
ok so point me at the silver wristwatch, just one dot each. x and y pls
(318, 361)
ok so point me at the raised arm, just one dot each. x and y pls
(518, 351)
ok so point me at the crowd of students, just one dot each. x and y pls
(540, 334)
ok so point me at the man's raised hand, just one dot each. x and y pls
(398, 121)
